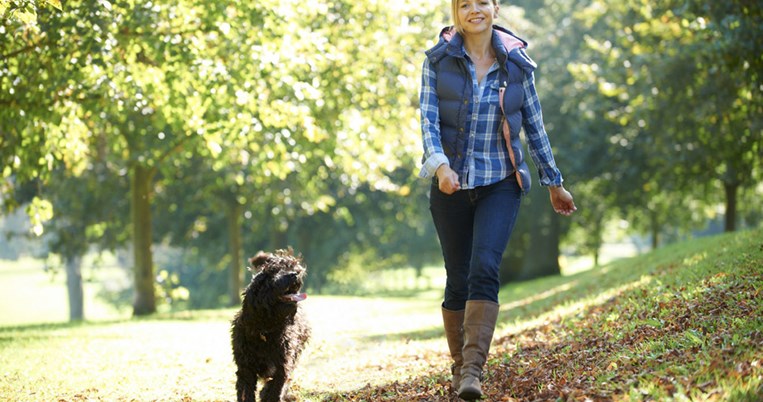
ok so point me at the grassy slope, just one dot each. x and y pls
(684, 321)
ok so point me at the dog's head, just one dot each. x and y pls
(276, 284)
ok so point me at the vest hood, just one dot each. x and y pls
(506, 44)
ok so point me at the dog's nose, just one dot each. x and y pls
(289, 278)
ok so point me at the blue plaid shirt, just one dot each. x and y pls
(487, 159)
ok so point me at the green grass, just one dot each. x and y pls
(682, 323)
(31, 295)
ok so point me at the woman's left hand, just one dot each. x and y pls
(561, 200)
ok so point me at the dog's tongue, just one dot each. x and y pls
(297, 297)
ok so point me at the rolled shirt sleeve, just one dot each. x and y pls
(430, 123)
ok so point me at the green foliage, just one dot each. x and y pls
(261, 103)
(648, 108)
(302, 123)
(675, 82)
(169, 290)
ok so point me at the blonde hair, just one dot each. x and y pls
(454, 14)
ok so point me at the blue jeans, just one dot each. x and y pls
(474, 227)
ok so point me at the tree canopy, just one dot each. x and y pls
(224, 128)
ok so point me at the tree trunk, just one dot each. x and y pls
(234, 237)
(542, 258)
(654, 224)
(597, 236)
(144, 302)
(74, 288)
(731, 206)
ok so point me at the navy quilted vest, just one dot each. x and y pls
(454, 90)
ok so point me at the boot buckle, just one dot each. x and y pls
(454, 367)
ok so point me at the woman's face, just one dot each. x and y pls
(476, 16)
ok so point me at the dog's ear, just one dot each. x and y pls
(257, 262)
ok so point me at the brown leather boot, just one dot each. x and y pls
(479, 324)
(454, 332)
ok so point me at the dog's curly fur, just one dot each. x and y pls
(270, 331)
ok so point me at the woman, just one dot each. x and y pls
(477, 92)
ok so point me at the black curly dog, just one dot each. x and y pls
(270, 331)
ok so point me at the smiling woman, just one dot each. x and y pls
(473, 13)
(477, 94)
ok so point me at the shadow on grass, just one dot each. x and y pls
(44, 327)
(45, 331)
(417, 335)
(38, 330)
(392, 293)
(527, 301)
(431, 387)
(530, 299)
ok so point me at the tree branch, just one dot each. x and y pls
(24, 49)
(171, 150)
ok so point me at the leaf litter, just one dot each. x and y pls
(693, 340)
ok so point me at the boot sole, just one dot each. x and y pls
(470, 395)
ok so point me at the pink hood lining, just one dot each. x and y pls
(509, 42)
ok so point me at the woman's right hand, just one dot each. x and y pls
(448, 179)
